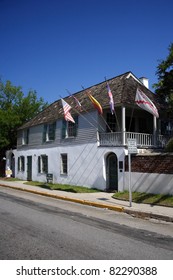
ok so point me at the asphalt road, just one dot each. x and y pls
(35, 227)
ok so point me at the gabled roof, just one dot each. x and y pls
(123, 88)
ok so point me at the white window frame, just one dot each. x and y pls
(49, 127)
(64, 164)
(41, 164)
(70, 129)
(21, 164)
(25, 136)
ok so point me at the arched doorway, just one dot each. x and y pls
(111, 172)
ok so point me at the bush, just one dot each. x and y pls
(169, 146)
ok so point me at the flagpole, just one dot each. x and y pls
(100, 115)
(91, 115)
(77, 111)
(114, 110)
(96, 127)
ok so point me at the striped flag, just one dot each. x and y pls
(145, 103)
(95, 103)
(111, 101)
(66, 108)
(78, 104)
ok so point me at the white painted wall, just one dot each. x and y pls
(87, 167)
(86, 164)
(150, 182)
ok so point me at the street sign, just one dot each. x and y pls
(132, 146)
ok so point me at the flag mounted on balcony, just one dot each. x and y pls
(67, 108)
(95, 103)
(111, 101)
(145, 103)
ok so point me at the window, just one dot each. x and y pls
(49, 132)
(64, 164)
(25, 137)
(21, 163)
(69, 129)
(43, 164)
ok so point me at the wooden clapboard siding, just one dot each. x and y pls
(87, 132)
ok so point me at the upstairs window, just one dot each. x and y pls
(49, 132)
(43, 164)
(69, 129)
(25, 137)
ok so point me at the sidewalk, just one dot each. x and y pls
(99, 199)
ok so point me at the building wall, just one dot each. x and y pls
(86, 165)
(150, 183)
(87, 132)
(151, 173)
(154, 163)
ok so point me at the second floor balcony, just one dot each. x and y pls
(143, 140)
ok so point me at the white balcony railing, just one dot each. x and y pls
(142, 139)
(110, 139)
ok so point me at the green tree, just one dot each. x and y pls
(164, 87)
(15, 109)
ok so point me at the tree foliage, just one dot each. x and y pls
(164, 87)
(15, 109)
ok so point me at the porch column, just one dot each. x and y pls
(154, 131)
(123, 125)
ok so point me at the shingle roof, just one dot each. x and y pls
(123, 88)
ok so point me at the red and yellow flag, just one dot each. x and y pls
(95, 103)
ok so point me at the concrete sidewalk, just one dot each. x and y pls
(99, 199)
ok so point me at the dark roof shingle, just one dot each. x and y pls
(123, 88)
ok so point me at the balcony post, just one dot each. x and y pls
(123, 125)
(154, 131)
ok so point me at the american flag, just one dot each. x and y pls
(66, 108)
(111, 102)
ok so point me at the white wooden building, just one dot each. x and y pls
(90, 152)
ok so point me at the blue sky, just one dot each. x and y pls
(53, 45)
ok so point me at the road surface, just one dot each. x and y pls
(36, 227)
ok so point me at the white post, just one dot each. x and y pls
(123, 125)
(130, 190)
(155, 130)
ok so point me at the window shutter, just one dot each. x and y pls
(23, 163)
(27, 136)
(63, 131)
(44, 133)
(54, 130)
(39, 167)
(76, 126)
(18, 163)
(46, 167)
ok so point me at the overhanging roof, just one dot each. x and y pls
(123, 88)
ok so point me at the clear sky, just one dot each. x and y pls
(53, 45)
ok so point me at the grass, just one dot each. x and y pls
(153, 199)
(60, 187)
(10, 179)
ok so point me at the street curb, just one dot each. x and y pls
(147, 215)
(80, 201)
(134, 213)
